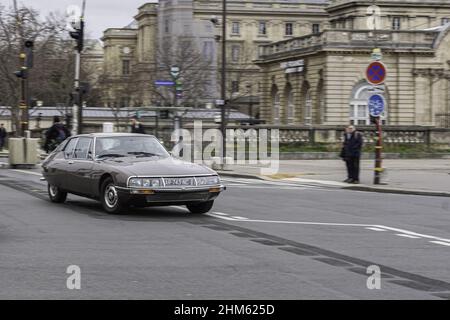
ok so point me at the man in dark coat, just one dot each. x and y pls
(3, 135)
(136, 126)
(351, 153)
(56, 134)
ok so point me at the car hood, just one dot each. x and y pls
(158, 166)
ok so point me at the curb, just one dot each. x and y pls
(239, 175)
(399, 191)
(353, 188)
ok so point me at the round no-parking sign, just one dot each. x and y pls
(376, 73)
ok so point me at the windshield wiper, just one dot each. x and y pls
(110, 155)
(143, 154)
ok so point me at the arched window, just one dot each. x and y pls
(359, 110)
(275, 105)
(290, 106)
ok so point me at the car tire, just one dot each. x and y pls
(201, 207)
(109, 197)
(56, 194)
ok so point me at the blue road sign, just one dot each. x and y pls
(376, 105)
(164, 83)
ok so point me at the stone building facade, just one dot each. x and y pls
(319, 79)
(130, 53)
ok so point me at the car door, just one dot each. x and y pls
(80, 166)
(61, 165)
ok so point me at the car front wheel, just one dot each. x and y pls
(199, 208)
(55, 194)
(110, 199)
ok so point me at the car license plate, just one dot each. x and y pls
(179, 182)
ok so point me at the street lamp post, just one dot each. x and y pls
(224, 79)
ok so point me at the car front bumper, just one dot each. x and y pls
(168, 196)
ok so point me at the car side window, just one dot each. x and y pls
(82, 148)
(68, 150)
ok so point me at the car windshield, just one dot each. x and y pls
(129, 146)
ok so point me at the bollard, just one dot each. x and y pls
(108, 127)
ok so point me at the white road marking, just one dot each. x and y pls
(375, 229)
(411, 233)
(28, 172)
(325, 182)
(441, 242)
(401, 232)
(407, 236)
(212, 214)
(221, 214)
(237, 218)
(277, 183)
(268, 188)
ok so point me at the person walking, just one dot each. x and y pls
(136, 126)
(56, 134)
(351, 153)
(3, 135)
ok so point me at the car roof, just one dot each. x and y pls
(105, 135)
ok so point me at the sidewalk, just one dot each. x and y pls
(421, 176)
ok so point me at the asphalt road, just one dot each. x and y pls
(263, 240)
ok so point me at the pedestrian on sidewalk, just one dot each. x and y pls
(3, 135)
(56, 134)
(136, 126)
(351, 153)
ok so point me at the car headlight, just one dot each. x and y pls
(144, 182)
(209, 180)
(151, 182)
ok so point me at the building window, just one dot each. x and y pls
(290, 105)
(166, 26)
(308, 107)
(125, 67)
(396, 23)
(236, 28)
(276, 105)
(235, 86)
(316, 28)
(235, 53)
(445, 21)
(262, 30)
(289, 29)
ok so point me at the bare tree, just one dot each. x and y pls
(51, 78)
(119, 93)
(195, 73)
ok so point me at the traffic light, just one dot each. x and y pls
(29, 45)
(78, 35)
